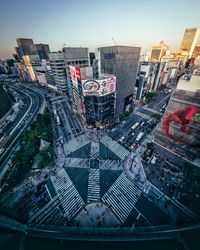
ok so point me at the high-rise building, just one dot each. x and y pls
(170, 72)
(140, 86)
(92, 58)
(23, 71)
(25, 47)
(19, 52)
(57, 64)
(43, 50)
(76, 57)
(121, 61)
(94, 98)
(179, 131)
(158, 51)
(196, 52)
(157, 75)
(31, 62)
(189, 41)
(143, 82)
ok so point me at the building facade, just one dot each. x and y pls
(179, 130)
(158, 51)
(189, 41)
(25, 47)
(195, 53)
(76, 57)
(43, 50)
(123, 62)
(31, 62)
(57, 65)
(94, 98)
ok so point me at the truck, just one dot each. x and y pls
(135, 126)
(139, 137)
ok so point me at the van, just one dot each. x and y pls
(2, 150)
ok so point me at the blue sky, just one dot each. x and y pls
(93, 23)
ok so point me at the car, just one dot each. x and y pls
(2, 150)
(133, 145)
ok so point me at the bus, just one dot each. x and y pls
(139, 137)
(135, 126)
(58, 120)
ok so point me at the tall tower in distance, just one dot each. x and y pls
(189, 41)
(158, 51)
(25, 47)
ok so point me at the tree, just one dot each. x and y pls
(155, 117)
(151, 94)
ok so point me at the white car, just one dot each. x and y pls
(2, 150)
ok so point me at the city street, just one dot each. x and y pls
(93, 169)
(33, 103)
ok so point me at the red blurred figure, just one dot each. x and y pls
(182, 116)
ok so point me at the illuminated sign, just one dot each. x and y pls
(99, 87)
(91, 86)
(75, 75)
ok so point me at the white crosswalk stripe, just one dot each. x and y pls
(110, 164)
(121, 197)
(77, 163)
(94, 150)
(115, 147)
(93, 185)
(69, 197)
(75, 144)
(142, 115)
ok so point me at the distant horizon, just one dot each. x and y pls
(94, 24)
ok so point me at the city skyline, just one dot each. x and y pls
(84, 24)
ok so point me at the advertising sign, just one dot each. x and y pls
(75, 75)
(99, 87)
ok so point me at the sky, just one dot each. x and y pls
(94, 23)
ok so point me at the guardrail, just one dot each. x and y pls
(91, 234)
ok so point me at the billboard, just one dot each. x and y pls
(75, 75)
(99, 87)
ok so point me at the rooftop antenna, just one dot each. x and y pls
(114, 41)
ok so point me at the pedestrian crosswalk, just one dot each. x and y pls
(93, 185)
(121, 197)
(115, 147)
(75, 144)
(94, 153)
(110, 164)
(142, 115)
(69, 197)
(77, 163)
(152, 110)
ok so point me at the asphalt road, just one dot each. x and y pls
(35, 104)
